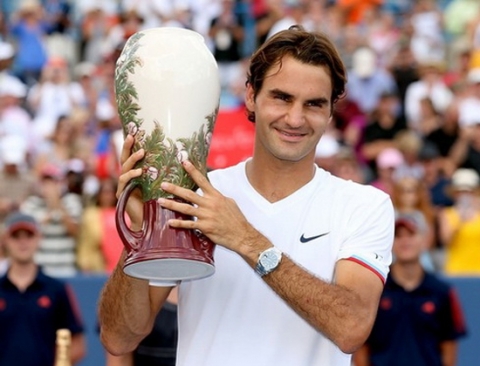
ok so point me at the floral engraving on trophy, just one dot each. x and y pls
(163, 156)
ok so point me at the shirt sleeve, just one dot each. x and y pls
(69, 315)
(452, 318)
(369, 239)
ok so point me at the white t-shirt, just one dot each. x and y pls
(234, 318)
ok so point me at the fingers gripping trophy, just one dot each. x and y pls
(167, 91)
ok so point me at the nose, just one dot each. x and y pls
(295, 115)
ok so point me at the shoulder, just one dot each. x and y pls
(223, 175)
(53, 284)
(436, 284)
(356, 192)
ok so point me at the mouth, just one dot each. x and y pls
(291, 135)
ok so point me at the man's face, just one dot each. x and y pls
(21, 245)
(292, 110)
(408, 245)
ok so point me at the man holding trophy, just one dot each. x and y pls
(301, 256)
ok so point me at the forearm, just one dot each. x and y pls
(126, 312)
(332, 309)
(458, 151)
(448, 351)
(78, 348)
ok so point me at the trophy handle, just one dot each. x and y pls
(131, 239)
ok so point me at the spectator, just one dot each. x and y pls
(293, 13)
(227, 34)
(28, 29)
(55, 95)
(348, 167)
(368, 81)
(468, 104)
(404, 69)
(419, 319)
(14, 119)
(383, 35)
(444, 137)
(459, 68)
(270, 13)
(460, 225)
(106, 162)
(58, 149)
(409, 144)
(387, 163)
(350, 122)
(129, 23)
(430, 119)
(32, 305)
(411, 196)
(59, 216)
(326, 150)
(16, 181)
(7, 54)
(382, 126)
(427, 41)
(435, 175)
(99, 245)
(429, 85)
(465, 153)
(95, 24)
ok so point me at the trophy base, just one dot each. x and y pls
(169, 271)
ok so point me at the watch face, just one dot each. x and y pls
(269, 260)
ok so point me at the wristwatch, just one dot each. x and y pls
(268, 261)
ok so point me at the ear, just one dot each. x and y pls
(249, 98)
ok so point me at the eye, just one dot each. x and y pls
(314, 104)
(282, 97)
(320, 103)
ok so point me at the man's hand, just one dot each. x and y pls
(128, 160)
(218, 217)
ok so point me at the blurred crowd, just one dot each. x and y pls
(409, 124)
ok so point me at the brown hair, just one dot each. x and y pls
(312, 48)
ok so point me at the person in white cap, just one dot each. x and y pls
(14, 118)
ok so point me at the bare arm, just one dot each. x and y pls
(77, 348)
(124, 360)
(448, 350)
(361, 357)
(446, 229)
(127, 310)
(334, 309)
(459, 150)
(128, 306)
(343, 311)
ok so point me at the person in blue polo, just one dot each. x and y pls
(419, 319)
(33, 306)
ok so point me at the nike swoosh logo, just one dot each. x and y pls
(303, 239)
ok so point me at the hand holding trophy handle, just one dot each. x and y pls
(131, 239)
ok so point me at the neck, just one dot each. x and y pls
(276, 181)
(409, 275)
(22, 275)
